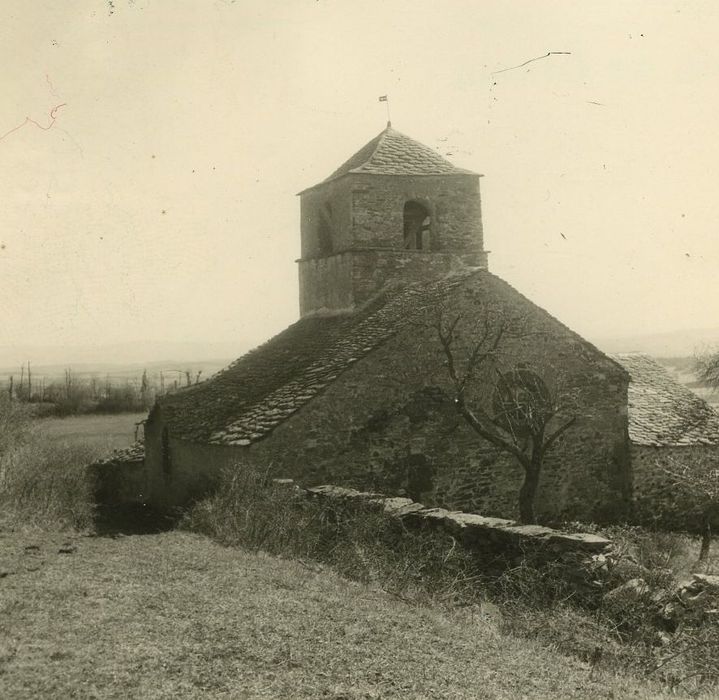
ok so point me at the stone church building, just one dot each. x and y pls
(358, 391)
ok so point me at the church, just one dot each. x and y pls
(399, 312)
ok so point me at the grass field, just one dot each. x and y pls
(176, 615)
(104, 431)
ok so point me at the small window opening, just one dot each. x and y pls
(416, 227)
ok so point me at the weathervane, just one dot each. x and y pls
(385, 99)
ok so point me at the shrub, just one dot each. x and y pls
(14, 425)
(41, 484)
(248, 510)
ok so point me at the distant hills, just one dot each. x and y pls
(129, 359)
(671, 344)
(133, 356)
(172, 369)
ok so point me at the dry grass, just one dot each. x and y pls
(366, 546)
(537, 601)
(106, 432)
(47, 487)
(177, 615)
(43, 481)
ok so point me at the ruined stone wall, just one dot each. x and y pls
(388, 423)
(658, 498)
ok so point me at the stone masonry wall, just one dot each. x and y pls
(368, 211)
(345, 281)
(121, 478)
(372, 269)
(452, 200)
(326, 284)
(660, 500)
(367, 217)
(338, 196)
(190, 471)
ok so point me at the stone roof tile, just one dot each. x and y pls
(393, 153)
(133, 453)
(663, 412)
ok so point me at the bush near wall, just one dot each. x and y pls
(411, 549)
(41, 484)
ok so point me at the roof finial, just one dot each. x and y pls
(385, 99)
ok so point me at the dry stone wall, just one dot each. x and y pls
(477, 532)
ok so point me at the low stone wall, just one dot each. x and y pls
(494, 536)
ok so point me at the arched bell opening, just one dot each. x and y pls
(417, 226)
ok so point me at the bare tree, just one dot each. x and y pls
(700, 483)
(69, 383)
(707, 367)
(525, 417)
(704, 488)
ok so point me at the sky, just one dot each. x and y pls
(151, 151)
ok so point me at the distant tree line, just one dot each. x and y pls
(74, 393)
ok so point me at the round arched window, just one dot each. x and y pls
(522, 403)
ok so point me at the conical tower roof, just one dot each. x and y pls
(393, 153)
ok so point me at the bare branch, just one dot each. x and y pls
(557, 433)
(478, 356)
(491, 435)
(446, 339)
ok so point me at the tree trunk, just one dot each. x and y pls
(529, 488)
(706, 538)
(527, 494)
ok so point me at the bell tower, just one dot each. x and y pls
(395, 212)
